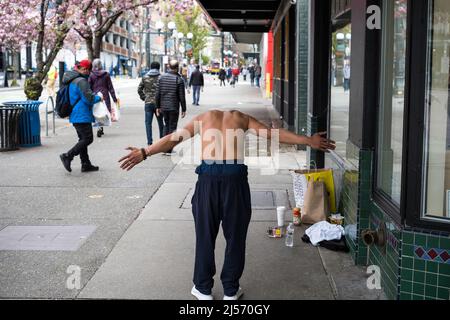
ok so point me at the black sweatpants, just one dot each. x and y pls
(222, 194)
(85, 138)
(170, 122)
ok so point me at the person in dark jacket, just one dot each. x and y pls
(196, 82)
(222, 76)
(100, 81)
(251, 70)
(229, 74)
(147, 92)
(170, 96)
(82, 99)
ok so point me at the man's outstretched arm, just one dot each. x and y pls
(317, 141)
(167, 143)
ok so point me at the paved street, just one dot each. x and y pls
(131, 234)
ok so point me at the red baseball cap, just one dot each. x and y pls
(86, 64)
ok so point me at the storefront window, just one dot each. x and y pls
(392, 102)
(436, 202)
(340, 88)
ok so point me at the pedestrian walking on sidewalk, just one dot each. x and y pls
(222, 193)
(184, 74)
(147, 92)
(244, 73)
(100, 81)
(82, 99)
(196, 82)
(170, 95)
(229, 74)
(52, 76)
(251, 71)
(347, 74)
(222, 76)
(235, 72)
(258, 72)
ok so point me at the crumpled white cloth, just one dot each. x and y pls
(324, 231)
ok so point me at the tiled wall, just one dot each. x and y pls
(302, 60)
(414, 264)
(352, 177)
(425, 266)
(387, 258)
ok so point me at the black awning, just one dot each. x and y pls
(240, 16)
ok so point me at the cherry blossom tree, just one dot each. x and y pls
(97, 19)
(16, 32)
(189, 18)
(46, 22)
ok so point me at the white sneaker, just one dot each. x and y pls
(199, 295)
(238, 294)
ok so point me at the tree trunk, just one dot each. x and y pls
(98, 38)
(139, 68)
(15, 56)
(89, 47)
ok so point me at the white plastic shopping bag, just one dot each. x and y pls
(115, 111)
(300, 184)
(101, 114)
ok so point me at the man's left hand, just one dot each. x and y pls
(130, 160)
(319, 142)
(183, 114)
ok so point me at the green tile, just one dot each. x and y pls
(420, 240)
(419, 264)
(431, 291)
(419, 276)
(431, 279)
(407, 274)
(432, 266)
(444, 268)
(408, 237)
(444, 281)
(418, 289)
(407, 262)
(405, 296)
(408, 250)
(432, 242)
(444, 243)
(418, 297)
(443, 293)
(406, 286)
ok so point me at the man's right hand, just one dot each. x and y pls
(183, 114)
(158, 112)
(318, 142)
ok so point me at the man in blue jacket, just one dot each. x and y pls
(82, 99)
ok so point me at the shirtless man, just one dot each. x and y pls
(222, 192)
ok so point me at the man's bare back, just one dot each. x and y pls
(222, 135)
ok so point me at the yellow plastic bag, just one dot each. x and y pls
(325, 175)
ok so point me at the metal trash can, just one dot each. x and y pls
(29, 122)
(9, 127)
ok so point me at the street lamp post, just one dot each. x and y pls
(190, 36)
(160, 25)
(147, 40)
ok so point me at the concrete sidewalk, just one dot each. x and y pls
(142, 246)
(155, 257)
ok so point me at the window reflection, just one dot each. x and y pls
(437, 118)
(340, 88)
(390, 130)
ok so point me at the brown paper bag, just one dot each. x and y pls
(316, 205)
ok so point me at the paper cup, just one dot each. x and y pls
(280, 216)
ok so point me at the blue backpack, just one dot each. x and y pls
(63, 106)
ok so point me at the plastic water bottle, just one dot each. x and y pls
(290, 235)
